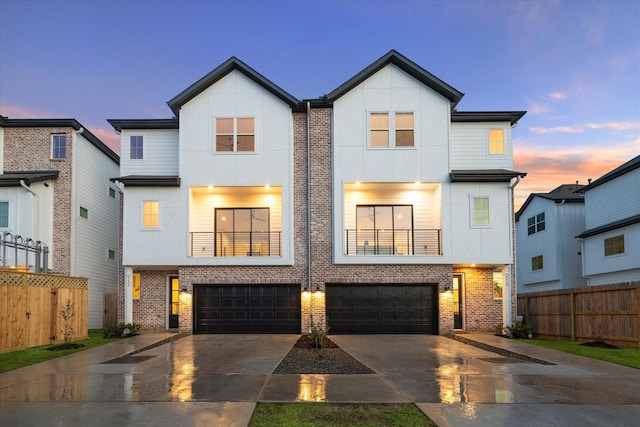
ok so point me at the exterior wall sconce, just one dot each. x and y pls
(447, 288)
(184, 291)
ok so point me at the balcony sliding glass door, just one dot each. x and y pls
(242, 232)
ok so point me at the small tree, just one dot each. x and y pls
(67, 314)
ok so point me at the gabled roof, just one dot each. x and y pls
(565, 193)
(394, 57)
(60, 123)
(609, 227)
(619, 171)
(487, 116)
(219, 72)
(119, 124)
(12, 179)
(484, 175)
(149, 180)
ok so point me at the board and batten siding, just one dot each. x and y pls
(470, 146)
(160, 152)
(95, 235)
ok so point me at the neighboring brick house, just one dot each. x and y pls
(55, 188)
(378, 208)
(548, 255)
(611, 237)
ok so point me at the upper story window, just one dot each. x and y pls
(136, 147)
(480, 211)
(235, 134)
(58, 146)
(150, 214)
(245, 232)
(391, 129)
(535, 224)
(496, 141)
(112, 193)
(4, 214)
(84, 212)
(614, 245)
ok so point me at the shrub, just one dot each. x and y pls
(120, 330)
(519, 330)
(318, 334)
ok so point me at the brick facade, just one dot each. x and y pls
(481, 311)
(29, 149)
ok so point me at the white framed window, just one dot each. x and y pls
(111, 254)
(498, 284)
(614, 245)
(480, 212)
(58, 146)
(84, 212)
(151, 214)
(112, 193)
(135, 286)
(136, 147)
(235, 134)
(496, 141)
(4, 214)
(391, 129)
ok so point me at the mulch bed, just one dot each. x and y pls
(303, 358)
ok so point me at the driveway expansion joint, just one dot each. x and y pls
(500, 351)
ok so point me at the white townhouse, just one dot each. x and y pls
(611, 239)
(377, 208)
(55, 192)
(548, 255)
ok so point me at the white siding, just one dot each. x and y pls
(470, 146)
(160, 152)
(93, 237)
(613, 200)
(571, 220)
(600, 269)
(200, 166)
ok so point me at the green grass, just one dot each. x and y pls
(622, 356)
(29, 356)
(338, 415)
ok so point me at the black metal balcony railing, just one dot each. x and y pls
(394, 242)
(235, 244)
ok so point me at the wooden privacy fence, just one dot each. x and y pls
(31, 305)
(609, 313)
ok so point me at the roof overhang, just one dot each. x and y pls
(143, 124)
(12, 179)
(610, 227)
(487, 116)
(484, 175)
(148, 181)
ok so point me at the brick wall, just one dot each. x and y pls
(480, 310)
(29, 149)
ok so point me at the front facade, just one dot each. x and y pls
(55, 191)
(377, 208)
(611, 239)
(548, 254)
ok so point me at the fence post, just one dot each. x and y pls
(526, 311)
(573, 317)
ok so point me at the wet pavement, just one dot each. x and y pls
(217, 380)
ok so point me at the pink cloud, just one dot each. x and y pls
(108, 136)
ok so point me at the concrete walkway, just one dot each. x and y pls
(217, 380)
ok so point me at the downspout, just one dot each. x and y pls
(512, 276)
(309, 257)
(74, 206)
(125, 272)
(26, 187)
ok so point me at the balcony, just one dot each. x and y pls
(393, 242)
(235, 244)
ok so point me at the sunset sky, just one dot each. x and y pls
(573, 65)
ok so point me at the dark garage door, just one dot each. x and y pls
(247, 309)
(382, 309)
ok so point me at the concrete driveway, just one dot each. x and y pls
(457, 384)
(217, 380)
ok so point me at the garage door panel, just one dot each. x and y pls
(382, 308)
(247, 309)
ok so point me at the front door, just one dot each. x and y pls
(174, 302)
(457, 302)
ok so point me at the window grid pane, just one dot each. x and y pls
(4, 214)
(59, 146)
(480, 211)
(136, 147)
(379, 128)
(150, 215)
(496, 141)
(614, 245)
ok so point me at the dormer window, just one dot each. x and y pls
(235, 134)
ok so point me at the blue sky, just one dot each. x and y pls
(573, 65)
